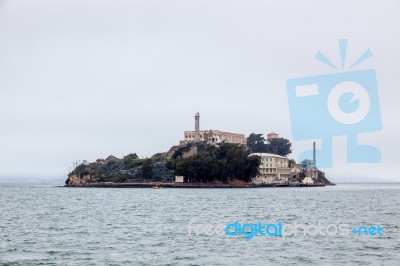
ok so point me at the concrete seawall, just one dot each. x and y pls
(183, 185)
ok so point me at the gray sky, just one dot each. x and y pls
(86, 79)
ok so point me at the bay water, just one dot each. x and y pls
(47, 225)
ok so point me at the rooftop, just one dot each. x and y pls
(267, 155)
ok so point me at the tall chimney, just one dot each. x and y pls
(197, 127)
(314, 157)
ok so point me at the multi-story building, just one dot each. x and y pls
(214, 136)
(273, 169)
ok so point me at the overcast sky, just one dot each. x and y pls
(85, 79)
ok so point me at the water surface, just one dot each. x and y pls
(128, 226)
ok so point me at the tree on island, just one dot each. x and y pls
(279, 146)
(256, 143)
(223, 163)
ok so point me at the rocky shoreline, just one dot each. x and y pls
(183, 185)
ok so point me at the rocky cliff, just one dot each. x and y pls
(128, 169)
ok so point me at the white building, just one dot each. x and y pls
(273, 169)
(307, 180)
(179, 179)
(210, 136)
(214, 136)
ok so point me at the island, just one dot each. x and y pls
(201, 164)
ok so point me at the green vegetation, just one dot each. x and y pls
(81, 170)
(132, 160)
(256, 143)
(159, 157)
(128, 169)
(224, 163)
(147, 169)
(190, 149)
(279, 146)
